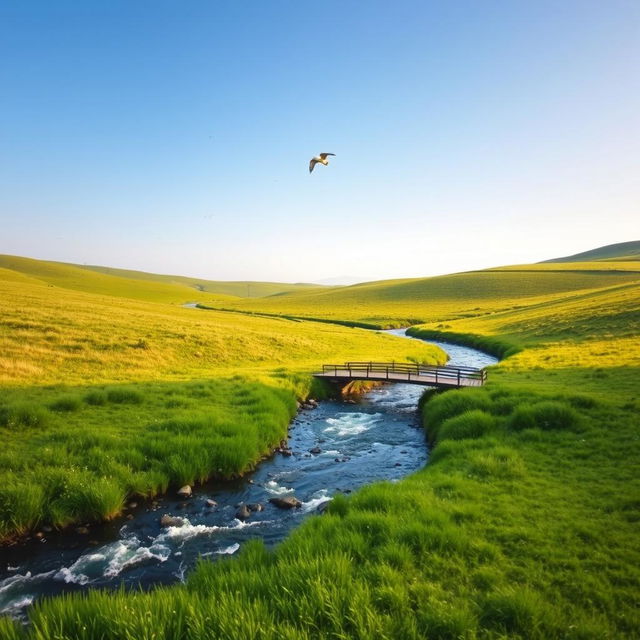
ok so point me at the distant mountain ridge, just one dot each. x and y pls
(621, 251)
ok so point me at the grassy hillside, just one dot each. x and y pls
(109, 396)
(445, 298)
(58, 276)
(139, 285)
(524, 524)
(620, 251)
(239, 288)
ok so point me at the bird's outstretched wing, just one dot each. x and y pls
(324, 155)
(312, 164)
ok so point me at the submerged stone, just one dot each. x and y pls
(243, 512)
(171, 521)
(287, 502)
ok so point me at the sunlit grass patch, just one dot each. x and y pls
(66, 403)
(470, 424)
(23, 415)
(544, 415)
(124, 395)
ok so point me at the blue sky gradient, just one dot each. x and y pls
(175, 137)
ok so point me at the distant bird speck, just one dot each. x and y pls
(321, 158)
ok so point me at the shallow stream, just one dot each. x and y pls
(377, 438)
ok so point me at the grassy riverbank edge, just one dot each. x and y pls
(63, 501)
(464, 548)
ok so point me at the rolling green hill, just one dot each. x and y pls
(139, 285)
(623, 251)
(445, 298)
(239, 288)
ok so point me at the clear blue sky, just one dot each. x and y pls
(175, 136)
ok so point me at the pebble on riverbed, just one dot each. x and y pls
(288, 502)
(243, 512)
(171, 521)
(184, 492)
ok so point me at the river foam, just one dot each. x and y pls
(352, 424)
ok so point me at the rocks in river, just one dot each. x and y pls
(171, 521)
(284, 448)
(243, 512)
(184, 492)
(315, 450)
(255, 506)
(211, 503)
(47, 529)
(82, 530)
(322, 507)
(39, 536)
(286, 502)
(132, 505)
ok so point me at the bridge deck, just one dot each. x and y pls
(443, 377)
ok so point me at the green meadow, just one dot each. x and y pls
(396, 303)
(524, 523)
(106, 397)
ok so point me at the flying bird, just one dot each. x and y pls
(321, 158)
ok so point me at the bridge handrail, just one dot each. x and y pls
(414, 365)
(444, 371)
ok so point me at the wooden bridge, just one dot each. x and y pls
(430, 376)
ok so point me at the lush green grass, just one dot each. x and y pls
(153, 396)
(523, 525)
(84, 455)
(507, 534)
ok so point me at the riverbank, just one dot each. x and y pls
(333, 448)
(522, 525)
(155, 397)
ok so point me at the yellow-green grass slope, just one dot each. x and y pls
(616, 252)
(444, 298)
(104, 397)
(239, 288)
(140, 285)
(524, 524)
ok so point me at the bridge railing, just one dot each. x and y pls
(445, 374)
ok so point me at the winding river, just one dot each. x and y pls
(377, 438)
